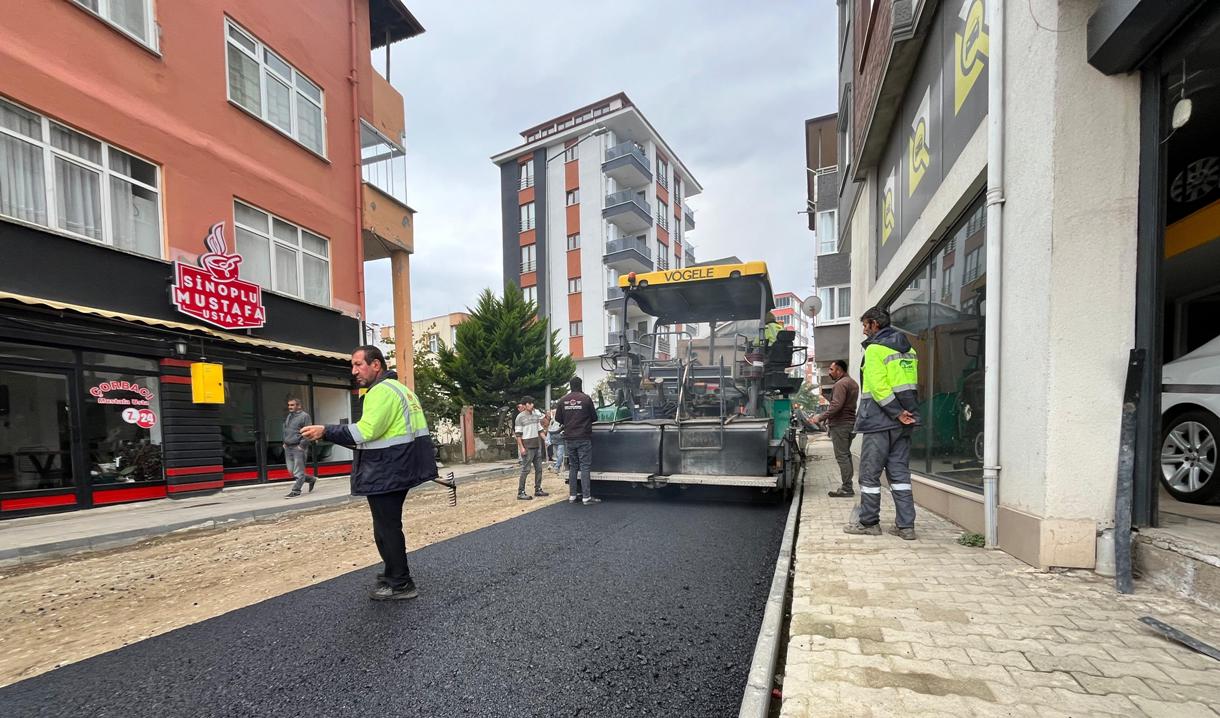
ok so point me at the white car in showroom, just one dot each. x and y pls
(1190, 424)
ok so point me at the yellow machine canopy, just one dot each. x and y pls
(710, 293)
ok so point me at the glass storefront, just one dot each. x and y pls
(942, 310)
(121, 427)
(35, 431)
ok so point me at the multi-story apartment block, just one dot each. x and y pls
(591, 195)
(185, 185)
(832, 262)
(428, 334)
(788, 312)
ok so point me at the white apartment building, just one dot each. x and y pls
(591, 195)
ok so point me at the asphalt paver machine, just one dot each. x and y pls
(699, 394)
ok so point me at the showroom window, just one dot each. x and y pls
(943, 314)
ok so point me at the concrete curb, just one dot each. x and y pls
(237, 515)
(756, 702)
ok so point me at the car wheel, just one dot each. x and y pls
(1188, 457)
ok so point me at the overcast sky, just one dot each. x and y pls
(728, 84)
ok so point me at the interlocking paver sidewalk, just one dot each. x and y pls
(886, 627)
(36, 538)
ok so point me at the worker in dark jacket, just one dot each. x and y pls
(393, 454)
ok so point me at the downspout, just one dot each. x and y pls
(354, 79)
(994, 239)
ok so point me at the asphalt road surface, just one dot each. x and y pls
(627, 608)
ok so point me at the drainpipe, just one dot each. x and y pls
(994, 238)
(354, 79)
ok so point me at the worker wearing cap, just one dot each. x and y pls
(393, 454)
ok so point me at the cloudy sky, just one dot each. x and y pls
(728, 84)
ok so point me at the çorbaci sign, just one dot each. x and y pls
(212, 291)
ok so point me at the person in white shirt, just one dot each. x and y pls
(528, 428)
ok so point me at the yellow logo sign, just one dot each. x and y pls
(887, 209)
(919, 151)
(970, 45)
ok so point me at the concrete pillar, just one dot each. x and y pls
(404, 341)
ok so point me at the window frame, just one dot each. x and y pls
(576, 328)
(573, 241)
(528, 217)
(834, 316)
(530, 293)
(823, 249)
(152, 44)
(572, 197)
(259, 56)
(299, 248)
(526, 174)
(49, 153)
(574, 285)
(572, 153)
(529, 258)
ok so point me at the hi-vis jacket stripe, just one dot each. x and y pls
(889, 383)
(392, 415)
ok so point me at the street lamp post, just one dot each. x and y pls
(596, 132)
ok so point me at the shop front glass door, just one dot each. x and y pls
(35, 431)
(240, 432)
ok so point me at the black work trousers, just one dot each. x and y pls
(387, 532)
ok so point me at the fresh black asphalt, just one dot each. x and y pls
(628, 608)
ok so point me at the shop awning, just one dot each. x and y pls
(176, 326)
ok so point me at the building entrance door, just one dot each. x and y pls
(38, 452)
(244, 455)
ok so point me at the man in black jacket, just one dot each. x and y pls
(577, 415)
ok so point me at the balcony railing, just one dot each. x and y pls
(662, 260)
(688, 216)
(528, 266)
(527, 181)
(614, 293)
(662, 179)
(627, 243)
(628, 196)
(627, 148)
(663, 221)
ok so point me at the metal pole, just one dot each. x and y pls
(994, 244)
(1126, 472)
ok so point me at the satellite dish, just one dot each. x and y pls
(812, 305)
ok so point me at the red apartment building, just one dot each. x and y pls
(182, 181)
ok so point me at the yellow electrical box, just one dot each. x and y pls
(207, 383)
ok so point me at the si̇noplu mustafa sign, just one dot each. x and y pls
(213, 292)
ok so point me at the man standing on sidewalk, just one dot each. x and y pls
(528, 430)
(295, 446)
(889, 410)
(577, 415)
(840, 421)
(393, 454)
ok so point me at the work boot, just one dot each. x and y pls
(840, 493)
(862, 530)
(540, 492)
(904, 534)
(589, 500)
(292, 494)
(524, 497)
(312, 480)
(573, 499)
(387, 593)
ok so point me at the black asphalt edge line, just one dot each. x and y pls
(120, 538)
(756, 701)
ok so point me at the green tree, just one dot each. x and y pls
(806, 398)
(501, 355)
(434, 396)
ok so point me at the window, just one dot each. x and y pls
(281, 256)
(662, 259)
(383, 163)
(574, 241)
(828, 235)
(573, 197)
(121, 451)
(434, 343)
(527, 216)
(949, 332)
(100, 192)
(571, 153)
(662, 215)
(268, 87)
(131, 17)
(530, 294)
(836, 305)
(576, 329)
(527, 174)
(662, 172)
(574, 285)
(528, 258)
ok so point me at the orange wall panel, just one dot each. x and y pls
(528, 237)
(388, 111)
(573, 219)
(173, 110)
(573, 263)
(525, 196)
(576, 346)
(662, 194)
(677, 211)
(529, 279)
(574, 310)
(663, 236)
(386, 218)
(571, 175)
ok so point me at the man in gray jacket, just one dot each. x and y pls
(296, 445)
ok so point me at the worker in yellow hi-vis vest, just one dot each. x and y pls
(393, 454)
(889, 410)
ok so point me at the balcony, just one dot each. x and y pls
(629, 254)
(633, 338)
(628, 210)
(627, 163)
(614, 294)
(688, 216)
